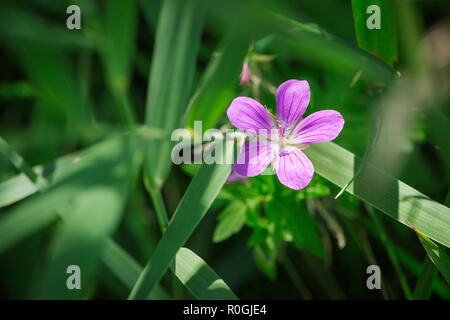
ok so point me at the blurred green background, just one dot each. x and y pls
(85, 121)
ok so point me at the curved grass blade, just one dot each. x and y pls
(199, 278)
(126, 268)
(436, 253)
(382, 191)
(40, 210)
(218, 82)
(320, 47)
(198, 198)
(118, 52)
(95, 214)
(391, 252)
(172, 69)
(424, 285)
(20, 186)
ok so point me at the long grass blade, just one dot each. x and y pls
(387, 194)
(198, 198)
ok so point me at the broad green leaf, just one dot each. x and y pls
(231, 220)
(437, 255)
(424, 284)
(380, 42)
(196, 201)
(172, 69)
(199, 278)
(382, 191)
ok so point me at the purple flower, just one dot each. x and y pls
(245, 74)
(289, 134)
(235, 177)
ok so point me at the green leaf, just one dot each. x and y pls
(20, 186)
(231, 220)
(302, 226)
(118, 51)
(95, 215)
(382, 191)
(172, 69)
(266, 259)
(380, 42)
(119, 31)
(126, 268)
(391, 252)
(37, 31)
(60, 98)
(198, 198)
(424, 284)
(38, 211)
(327, 51)
(190, 269)
(437, 255)
(199, 278)
(218, 82)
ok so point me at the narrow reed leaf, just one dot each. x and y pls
(424, 285)
(389, 195)
(437, 254)
(170, 81)
(36, 212)
(199, 278)
(126, 268)
(380, 40)
(218, 82)
(198, 198)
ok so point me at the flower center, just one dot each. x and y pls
(283, 128)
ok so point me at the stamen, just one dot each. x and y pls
(282, 128)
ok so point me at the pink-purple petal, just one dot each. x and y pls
(254, 158)
(292, 100)
(249, 115)
(321, 126)
(294, 169)
(234, 177)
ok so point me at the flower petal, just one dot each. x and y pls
(292, 100)
(254, 158)
(321, 126)
(294, 168)
(234, 177)
(249, 115)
